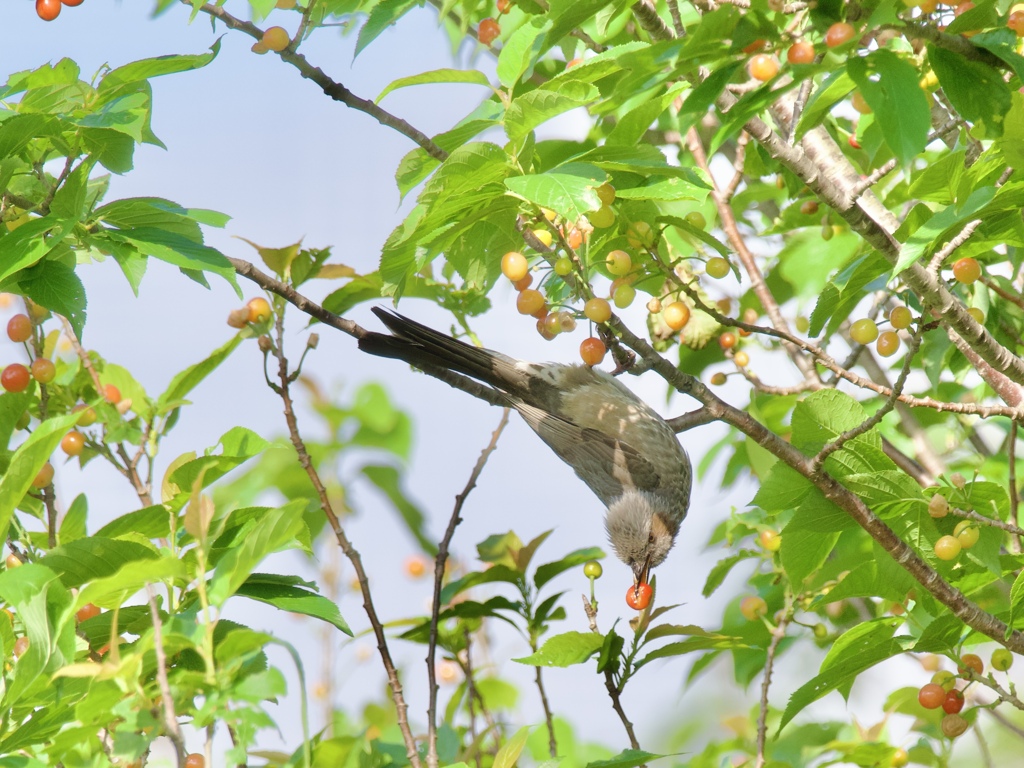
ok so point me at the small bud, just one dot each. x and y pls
(238, 318)
(313, 340)
(958, 480)
(265, 343)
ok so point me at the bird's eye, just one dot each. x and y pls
(650, 539)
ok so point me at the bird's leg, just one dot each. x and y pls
(624, 358)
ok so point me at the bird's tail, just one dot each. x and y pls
(421, 346)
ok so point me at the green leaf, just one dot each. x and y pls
(509, 753)
(188, 379)
(522, 49)
(808, 539)
(382, 16)
(496, 573)
(276, 529)
(144, 69)
(290, 593)
(72, 527)
(30, 242)
(26, 462)
(178, 250)
(388, 479)
(933, 230)
(824, 415)
(722, 568)
(1016, 600)
(568, 190)
(782, 489)
(703, 642)
(471, 76)
(832, 90)
(111, 591)
(975, 89)
(565, 650)
(237, 445)
(890, 86)
(152, 522)
(55, 286)
(548, 571)
(94, 558)
(627, 758)
(538, 106)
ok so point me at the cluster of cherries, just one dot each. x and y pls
(48, 10)
(941, 691)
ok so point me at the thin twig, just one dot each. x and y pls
(777, 636)
(549, 719)
(167, 701)
(613, 692)
(1011, 457)
(439, 565)
(1004, 721)
(970, 514)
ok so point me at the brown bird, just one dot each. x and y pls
(616, 443)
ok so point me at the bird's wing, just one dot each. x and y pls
(604, 463)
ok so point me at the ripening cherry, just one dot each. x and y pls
(86, 612)
(592, 351)
(276, 39)
(504, 6)
(947, 547)
(285, 5)
(44, 476)
(727, 340)
(606, 193)
(13, 561)
(639, 235)
(938, 506)
(654, 305)
(888, 343)
(753, 607)
(73, 443)
(963, 8)
(864, 331)
(623, 295)
(754, 47)
(597, 310)
(977, 315)
(1016, 22)
(953, 726)
(574, 239)
(514, 266)
(542, 329)
(593, 569)
(48, 10)
(523, 283)
(15, 378)
(259, 309)
(602, 218)
(195, 760)
(718, 379)
(839, 34)
(20, 646)
(966, 270)
(972, 662)
(676, 315)
(415, 566)
(860, 103)
(618, 262)
(530, 302)
(552, 325)
(809, 208)
(563, 266)
(488, 31)
(718, 267)
(944, 678)
(741, 358)
(43, 370)
(931, 696)
(967, 532)
(900, 318)
(770, 540)
(567, 321)
(820, 631)
(112, 394)
(639, 597)
(1002, 659)
(854, 144)
(72, 3)
(800, 52)
(19, 328)
(954, 702)
(763, 67)
(544, 236)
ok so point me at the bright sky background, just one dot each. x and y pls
(248, 137)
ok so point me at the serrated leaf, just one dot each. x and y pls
(783, 488)
(824, 415)
(931, 231)
(722, 568)
(540, 105)
(382, 16)
(975, 89)
(832, 90)
(509, 753)
(565, 650)
(469, 76)
(92, 558)
(569, 190)
(289, 593)
(522, 49)
(55, 285)
(496, 573)
(188, 379)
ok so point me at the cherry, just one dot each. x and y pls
(854, 144)
(727, 340)
(718, 379)
(639, 597)
(544, 236)
(238, 318)
(542, 329)
(552, 325)
(567, 321)
(15, 378)
(676, 315)
(860, 103)
(754, 47)
(72, 3)
(48, 10)
(820, 631)
(606, 193)
(593, 569)
(718, 267)
(770, 540)
(1001, 660)
(945, 679)
(953, 726)
(563, 266)
(514, 266)
(931, 696)
(954, 702)
(1016, 22)
(741, 359)
(938, 506)
(972, 662)
(43, 370)
(888, 343)
(696, 220)
(19, 328)
(803, 324)
(967, 532)
(13, 561)
(504, 6)
(602, 218)
(618, 262)
(488, 31)
(977, 315)
(597, 310)
(112, 394)
(44, 477)
(947, 547)
(763, 67)
(966, 270)
(523, 283)
(530, 301)
(415, 566)
(640, 235)
(73, 443)
(574, 239)
(900, 318)
(864, 331)
(259, 309)
(195, 760)
(592, 351)
(809, 208)
(276, 39)
(86, 612)
(20, 646)
(654, 305)
(285, 5)
(800, 52)
(753, 607)
(623, 295)
(839, 34)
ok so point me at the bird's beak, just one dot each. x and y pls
(642, 572)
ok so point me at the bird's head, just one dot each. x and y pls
(640, 531)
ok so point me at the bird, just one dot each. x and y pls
(616, 443)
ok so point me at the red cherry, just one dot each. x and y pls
(931, 696)
(800, 52)
(112, 394)
(488, 31)
(966, 270)
(762, 67)
(48, 10)
(639, 596)
(43, 370)
(87, 612)
(838, 34)
(19, 328)
(195, 760)
(953, 703)
(15, 378)
(72, 3)
(592, 351)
